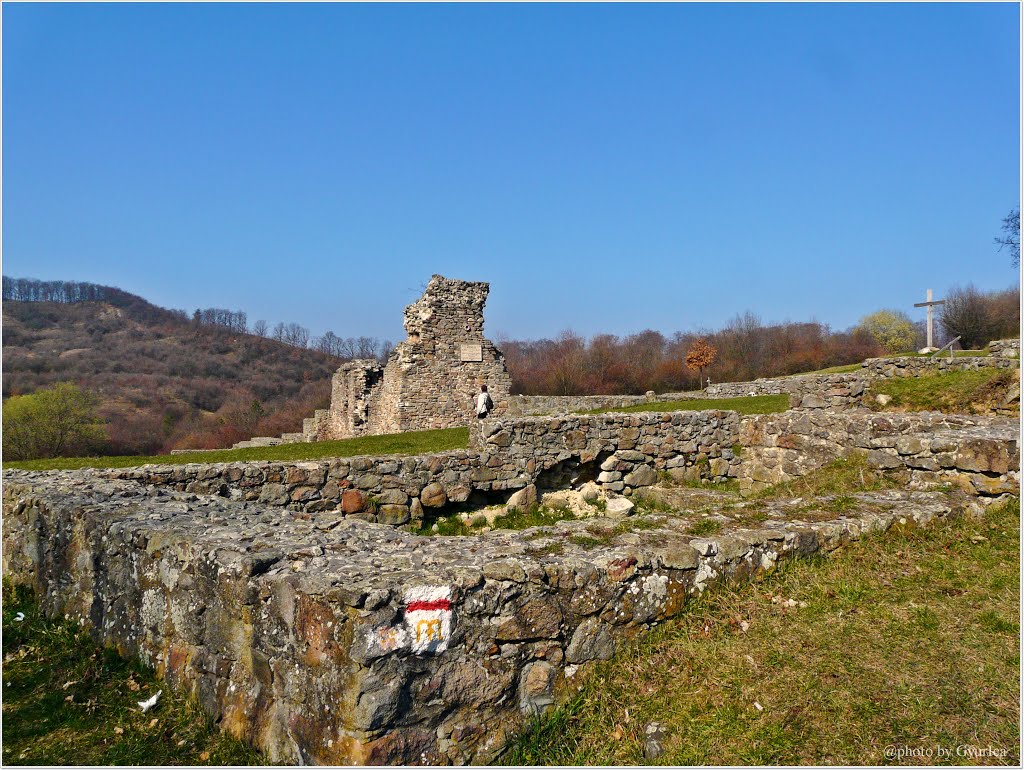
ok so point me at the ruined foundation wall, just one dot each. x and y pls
(525, 406)
(508, 454)
(1005, 348)
(324, 638)
(329, 641)
(910, 366)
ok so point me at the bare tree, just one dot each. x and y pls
(260, 328)
(966, 315)
(1010, 239)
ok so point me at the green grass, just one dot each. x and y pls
(841, 477)
(703, 527)
(68, 701)
(417, 442)
(905, 638)
(951, 392)
(743, 405)
(843, 369)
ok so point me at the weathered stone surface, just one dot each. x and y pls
(433, 495)
(352, 501)
(295, 628)
(641, 476)
(590, 492)
(617, 507)
(523, 499)
(592, 640)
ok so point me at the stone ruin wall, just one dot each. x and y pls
(980, 455)
(621, 452)
(321, 637)
(1005, 348)
(910, 366)
(508, 455)
(341, 642)
(431, 379)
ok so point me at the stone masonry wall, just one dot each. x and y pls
(1005, 348)
(911, 366)
(325, 640)
(981, 455)
(322, 637)
(431, 379)
(525, 406)
(508, 454)
(835, 391)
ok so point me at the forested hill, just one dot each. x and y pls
(164, 379)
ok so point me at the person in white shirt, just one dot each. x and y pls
(484, 404)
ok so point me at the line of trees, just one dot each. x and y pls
(32, 290)
(232, 320)
(745, 349)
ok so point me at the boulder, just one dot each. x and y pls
(590, 492)
(433, 496)
(618, 507)
(522, 499)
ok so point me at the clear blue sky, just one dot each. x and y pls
(606, 167)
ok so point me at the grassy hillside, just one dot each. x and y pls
(164, 382)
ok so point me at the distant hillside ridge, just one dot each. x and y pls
(164, 380)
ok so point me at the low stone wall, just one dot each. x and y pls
(628, 449)
(1004, 348)
(979, 454)
(812, 391)
(321, 639)
(508, 454)
(915, 366)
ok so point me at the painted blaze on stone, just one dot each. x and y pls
(426, 625)
(428, 618)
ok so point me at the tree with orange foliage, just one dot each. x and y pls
(700, 356)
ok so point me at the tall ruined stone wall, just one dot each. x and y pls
(355, 397)
(432, 378)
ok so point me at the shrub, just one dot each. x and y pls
(891, 329)
(55, 421)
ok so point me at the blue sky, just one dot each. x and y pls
(607, 168)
